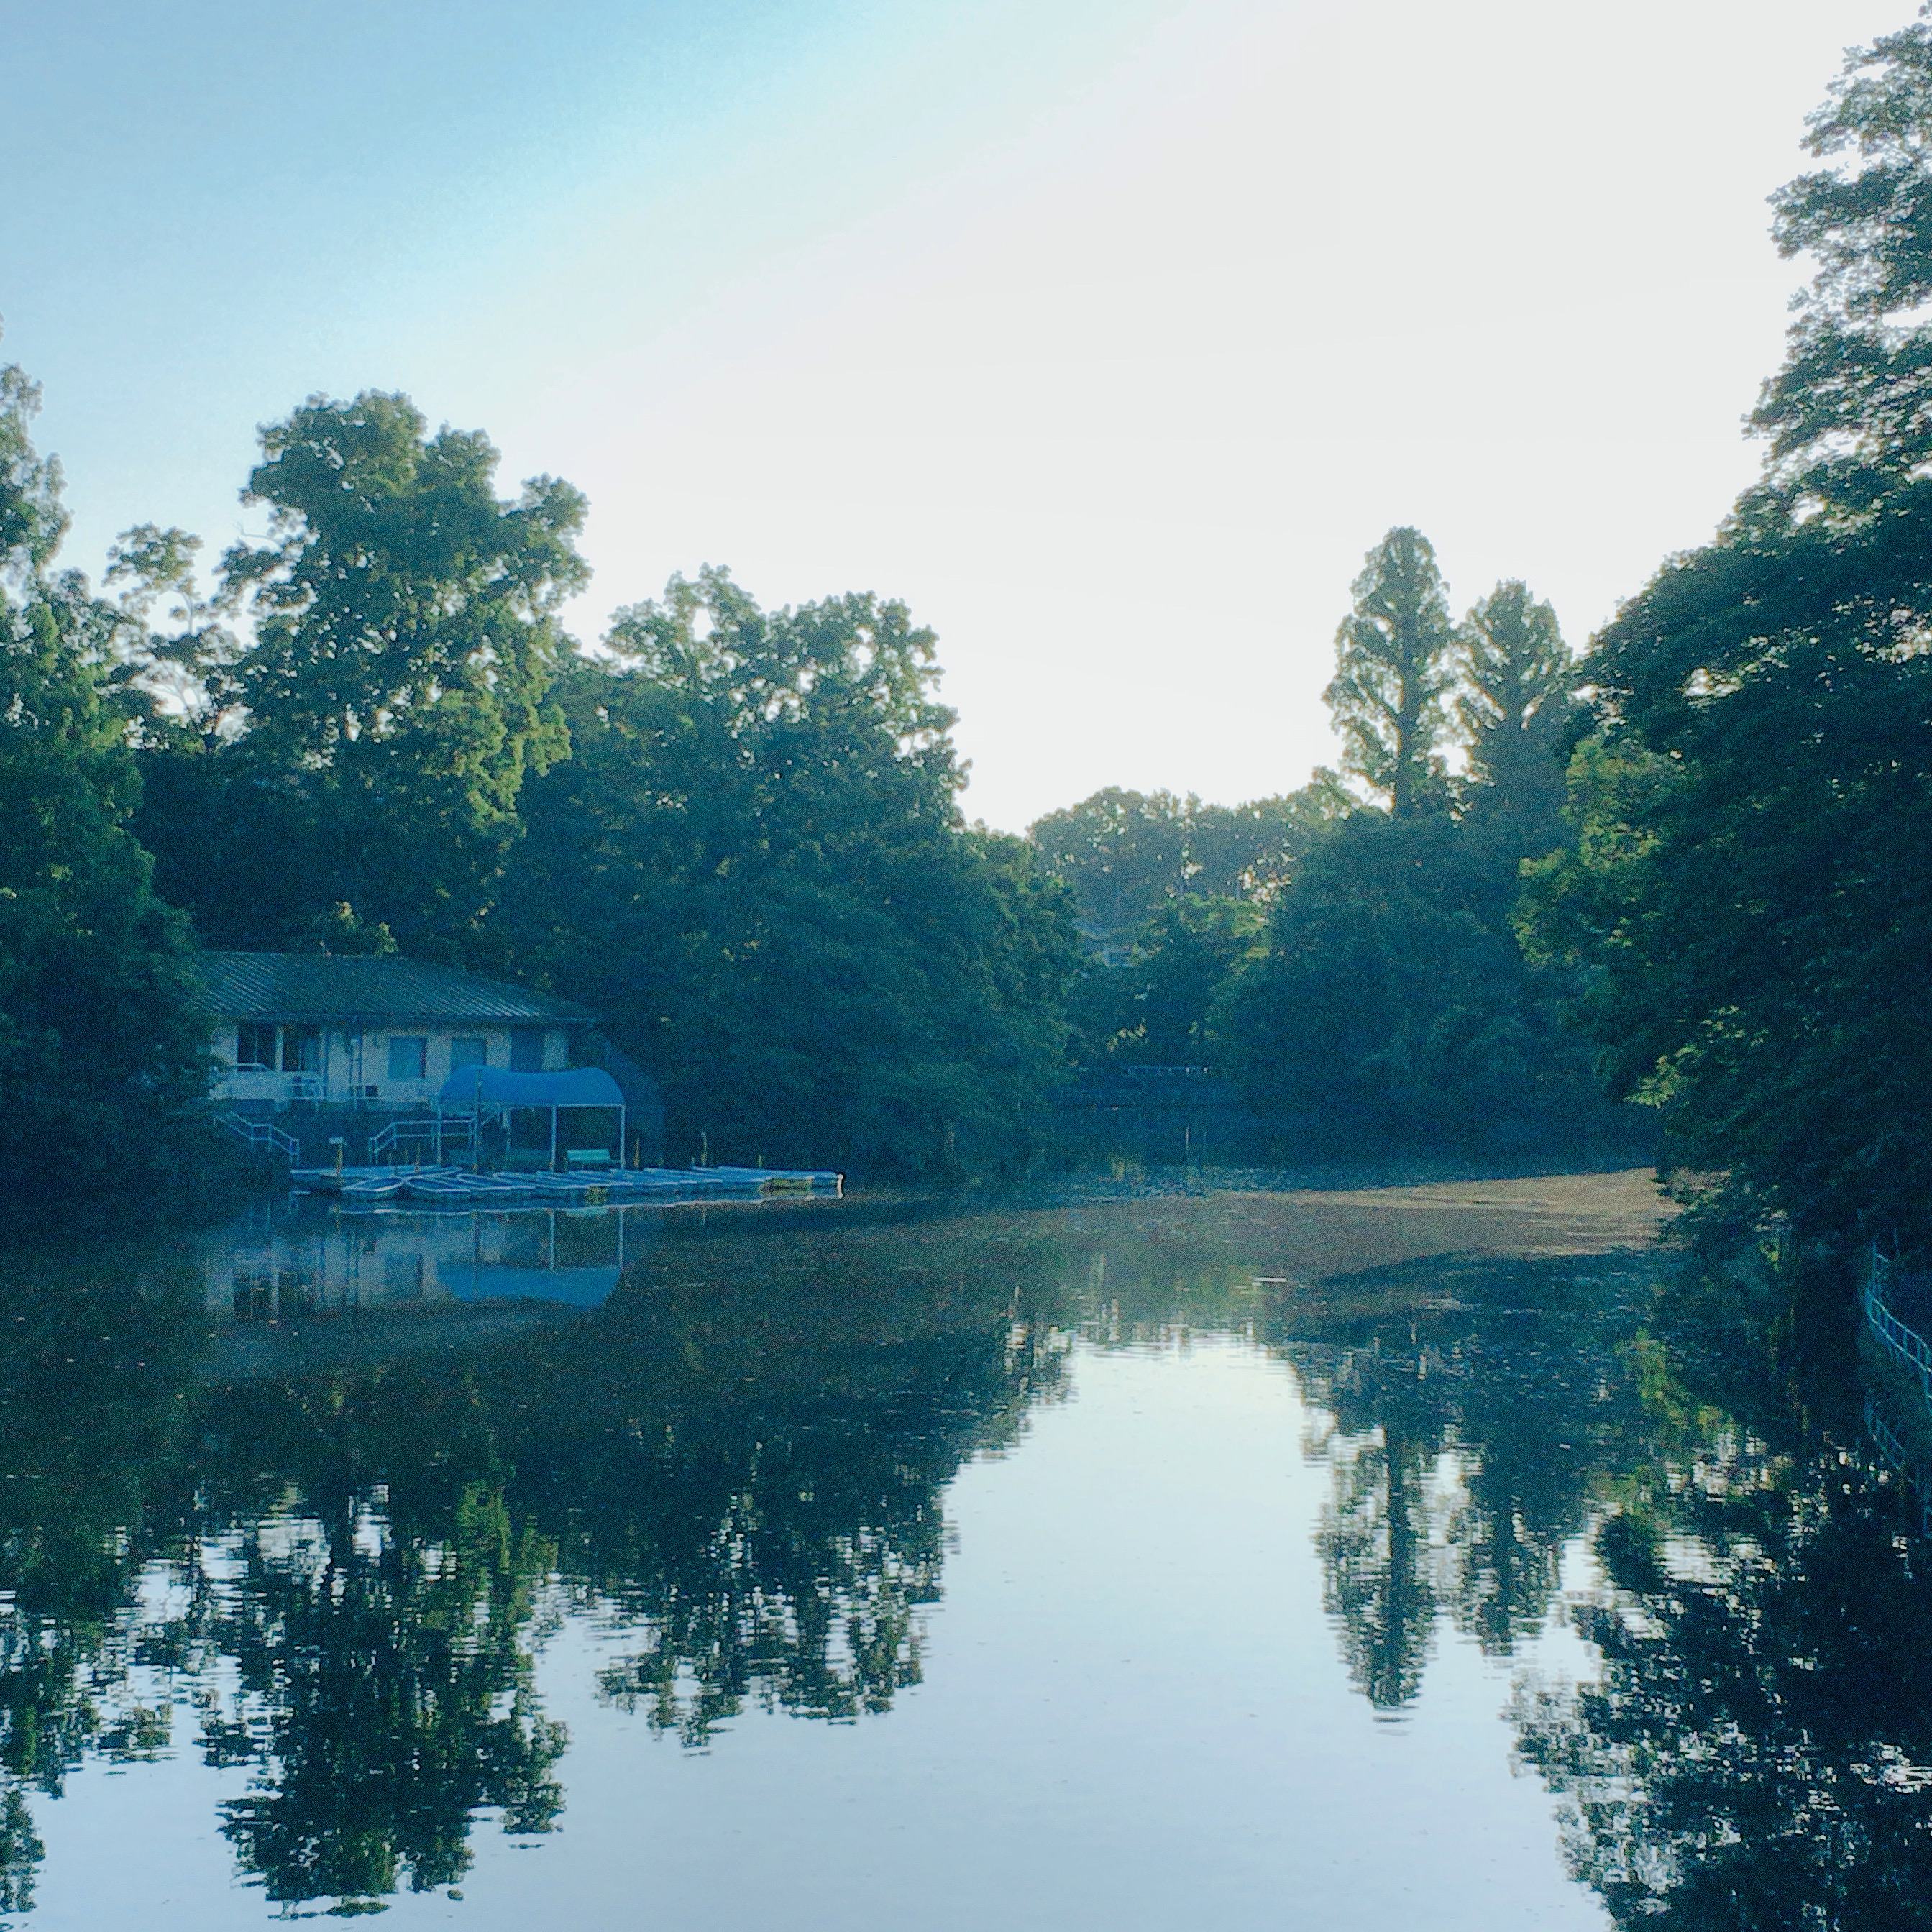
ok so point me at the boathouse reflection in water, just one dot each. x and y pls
(332, 1568)
(342, 1569)
(321, 1258)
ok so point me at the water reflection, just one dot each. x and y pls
(315, 1258)
(94, 1487)
(1756, 1750)
(382, 1692)
(343, 1556)
(1470, 1414)
(308, 1501)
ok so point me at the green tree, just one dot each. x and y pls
(182, 673)
(1391, 1007)
(1122, 854)
(1125, 856)
(1246, 851)
(1748, 894)
(1171, 895)
(368, 745)
(103, 1062)
(1393, 673)
(1846, 414)
(1159, 1007)
(32, 518)
(1518, 677)
(755, 867)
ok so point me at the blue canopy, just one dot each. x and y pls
(581, 1287)
(496, 1087)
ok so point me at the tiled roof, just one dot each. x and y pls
(322, 986)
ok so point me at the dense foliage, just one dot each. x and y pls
(734, 835)
(1126, 856)
(1354, 969)
(366, 745)
(1392, 1008)
(1749, 891)
(1170, 895)
(102, 1052)
(754, 866)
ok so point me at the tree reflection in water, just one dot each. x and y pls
(347, 1571)
(386, 1696)
(1378, 1559)
(1756, 1750)
(93, 1443)
(345, 1564)
(1466, 1414)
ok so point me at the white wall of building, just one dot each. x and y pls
(355, 1066)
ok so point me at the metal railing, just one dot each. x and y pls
(262, 1133)
(1891, 1446)
(1907, 1344)
(1879, 1427)
(456, 1134)
(265, 1083)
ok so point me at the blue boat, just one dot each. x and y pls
(784, 1180)
(367, 1189)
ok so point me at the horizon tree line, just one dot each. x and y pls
(739, 833)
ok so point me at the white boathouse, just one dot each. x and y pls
(379, 1033)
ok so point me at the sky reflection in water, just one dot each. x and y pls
(347, 1572)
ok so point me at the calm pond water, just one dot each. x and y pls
(1444, 1559)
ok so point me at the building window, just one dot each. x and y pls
(254, 1049)
(468, 1053)
(409, 1057)
(301, 1049)
(526, 1049)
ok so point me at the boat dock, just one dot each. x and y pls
(588, 1186)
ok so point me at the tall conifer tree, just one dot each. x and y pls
(1392, 672)
(1517, 677)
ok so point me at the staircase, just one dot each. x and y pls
(253, 1134)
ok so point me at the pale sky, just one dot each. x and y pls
(1108, 334)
